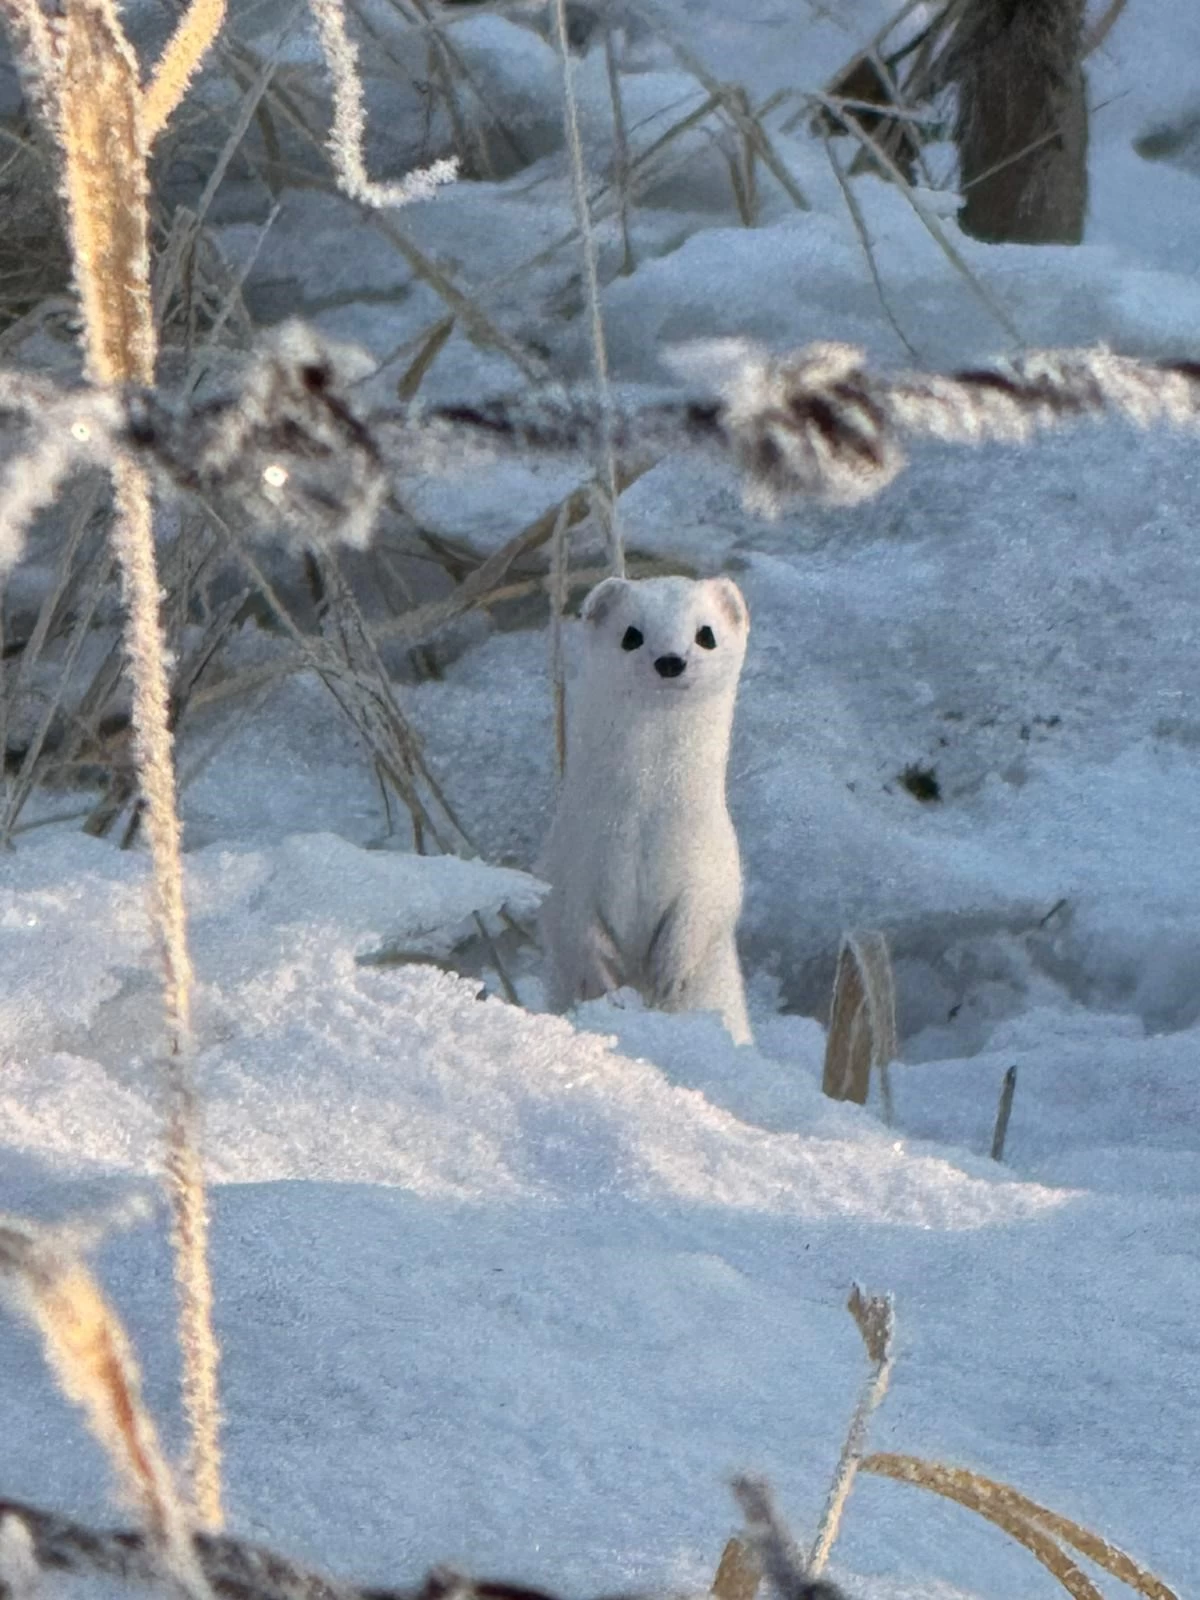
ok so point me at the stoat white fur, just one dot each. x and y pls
(642, 858)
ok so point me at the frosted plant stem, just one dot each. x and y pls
(133, 542)
(187, 47)
(616, 552)
(101, 128)
(847, 1468)
(875, 1323)
(348, 134)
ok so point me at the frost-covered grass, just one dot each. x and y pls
(498, 1289)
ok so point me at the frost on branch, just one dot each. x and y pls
(818, 424)
(284, 449)
(287, 447)
(68, 431)
(348, 135)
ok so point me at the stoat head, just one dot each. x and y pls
(667, 636)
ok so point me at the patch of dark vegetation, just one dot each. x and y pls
(921, 782)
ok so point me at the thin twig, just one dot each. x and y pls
(864, 238)
(616, 552)
(930, 220)
(876, 1323)
(348, 134)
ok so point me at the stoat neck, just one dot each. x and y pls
(659, 744)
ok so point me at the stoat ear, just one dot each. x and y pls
(602, 599)
(732, 603)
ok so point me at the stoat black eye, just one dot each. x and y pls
(632, 640)
(706, 638)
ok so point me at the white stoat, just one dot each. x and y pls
(642, 859)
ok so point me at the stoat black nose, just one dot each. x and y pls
(669, 666)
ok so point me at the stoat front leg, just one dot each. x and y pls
(679, 948)
(599, 969)
(692, 964)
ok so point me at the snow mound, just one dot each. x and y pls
(317, 1064)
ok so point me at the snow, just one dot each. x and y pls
(522, 1292)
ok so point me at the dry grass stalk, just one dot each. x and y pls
(607, 197)
(88, 589)
(362, 691)
(1003, 1112)
(107, 190)
(1032, 1524)
(248, 108)
(864, 238)
(580, 579)
(430, 348)
(452, 70)
(133, 541)
(616, 552)
(98, 122)
(1092, 1545)
(470, 140)
(78, 735)
(876, 1322)
(349, 122)
(961, 1486)
(849, 120)
(134, 547)
(396, 744)
(186, 48)
(734, 103)
(415, 627)
(466, 307)
(189, 1237)
(254, 681)
(739, 1572)
(93, 1362)
(862, 1022)
(620, 153)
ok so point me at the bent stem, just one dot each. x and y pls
(876, 1322)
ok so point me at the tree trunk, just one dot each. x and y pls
(1022, 126)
